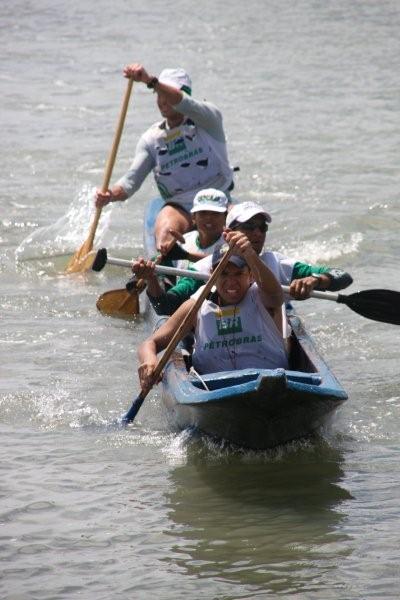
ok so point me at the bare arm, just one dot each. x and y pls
(270, 289)
(145, 269)
(137, 72)
(159, 340)
(300, 289)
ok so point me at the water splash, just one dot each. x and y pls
(50, 409)
(325, 251)
(68, 233)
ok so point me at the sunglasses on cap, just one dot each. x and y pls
(248, 226)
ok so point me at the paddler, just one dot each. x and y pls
(209, 214)
(186, 151)
(253, 221)
(238, 326)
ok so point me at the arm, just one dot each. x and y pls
(204, 114)
(137, 72)
(269, 287)
(166, 303)
(145, 269)
(306, 278)
(125, 187)
(141, 166)
(179, 252)
(148, 350)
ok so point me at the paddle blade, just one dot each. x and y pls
(82, 260)
(378, 305)
(119, 303)
(134, 409)
(100, 260)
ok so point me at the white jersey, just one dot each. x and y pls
(280, 265)
(184, 159)
(237, 336)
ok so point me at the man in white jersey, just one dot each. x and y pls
(186, 152)
(209, 214)
(210, 207)
(238, 325)
(253, 220)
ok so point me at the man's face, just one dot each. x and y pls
(255, 230)
(233, 283)
(210, 222)
(166, 109)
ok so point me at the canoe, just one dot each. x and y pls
(256, 408)
(251, 408)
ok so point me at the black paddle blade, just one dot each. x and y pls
(100, 261)
(378, 305)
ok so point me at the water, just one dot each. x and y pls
(309, 93)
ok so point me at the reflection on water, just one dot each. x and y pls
(258, 519)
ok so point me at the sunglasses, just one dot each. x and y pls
(246, 226)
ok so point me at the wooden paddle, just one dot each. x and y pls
(119, 303)
(378, 305)
(78, 262)
(178, 335)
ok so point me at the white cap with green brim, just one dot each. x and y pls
(240, 213)
(210, 199)
(177, 78)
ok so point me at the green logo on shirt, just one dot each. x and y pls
(226, 325)
(176, 146)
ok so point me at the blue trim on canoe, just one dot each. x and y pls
(191, 391)
(152, 210)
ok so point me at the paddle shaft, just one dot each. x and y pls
(172, 271)
(178, 335)
(111, 159)
(376, 304)
(162, 270)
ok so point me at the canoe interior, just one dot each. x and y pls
(306, 368)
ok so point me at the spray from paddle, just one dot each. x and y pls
(61, 238)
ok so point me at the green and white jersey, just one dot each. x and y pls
(237, 336)
(184, 159)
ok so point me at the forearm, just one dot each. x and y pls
(330, 279)
(172, 95)
(154, 288)
(118, 194)
(269, 286)
(165, 303)
(323, 281)
(147, 351)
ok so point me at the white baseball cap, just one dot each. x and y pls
(210, 199)
(244, 211)
(177, 78)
